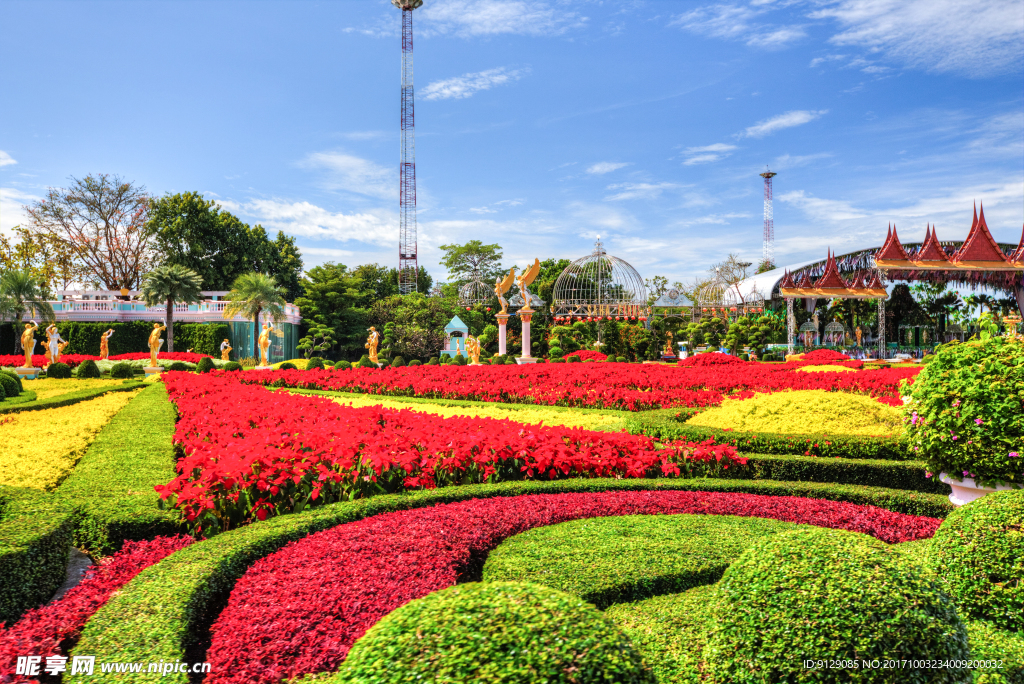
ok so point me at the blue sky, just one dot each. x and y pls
(540, 123)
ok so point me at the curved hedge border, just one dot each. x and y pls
(68, 399)
(907, 475)
(665, 426)
(107, 499)
(163, 613)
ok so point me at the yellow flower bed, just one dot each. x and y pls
(47, 388)
(39, 449)
(819, 369)
(802, 412)
(531, 416)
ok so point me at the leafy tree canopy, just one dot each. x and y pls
(466, 260)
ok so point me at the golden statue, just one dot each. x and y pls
(53, 344)
(225, 350)
(503, 286)
(859, 333)
(265, 344)
(473, 350)
(371, 343)
(155, 343)
(105, 343)
(28, 342)
(668, 344)
(526, 278)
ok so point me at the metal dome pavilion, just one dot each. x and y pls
(599, 286)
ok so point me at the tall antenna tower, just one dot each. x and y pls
(407, 264)
(768, 251)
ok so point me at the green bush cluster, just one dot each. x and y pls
(840, 595)
(232, 366)
(966, 418)
(122, 371)
(286, 365)
(10, 384)
(342, 365)
(315, 363)
(397, 362)
(61, 371)
(496, 632)
(573, 359)
(205, 365)
(626, 558)
(178, 366)
(87, 369)
(415, 362)
(364, 362)
(433, 361)
(977, 555)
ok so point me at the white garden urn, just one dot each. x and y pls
(967, 490)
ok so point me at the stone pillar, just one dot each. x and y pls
(502, 331)
(526, 317)
(790, 326)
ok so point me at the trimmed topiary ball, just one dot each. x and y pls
(88, 369)
(178, 366)
(822, 593)
(494, 632)
(433, 361)
(976, 554)
(58, 370)
(232, 366)
(510, 360)
(555, 353)
(573, 359)
(459, 360)
(287, 365)
(621, 359)
(365, 362)
(122, 371)
(557, 360)
(415, 362)
(398, 362)
(205, 365)
(11, 385)
(342, 365)
(12, 374)
(315, 363)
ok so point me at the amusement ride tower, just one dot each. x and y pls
(407, 263)
(768, 251)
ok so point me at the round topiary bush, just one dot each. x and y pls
(822, 593)
(205, 365)
(977, 557)
(342, 365)
(3, 392)
(12, 387)
(459, 360)
(232, 366)
(398, 362)
(365, 362)
(555, 353)
(433, 361)
(573, 359)
(510, 360)
(315, 363)
(557, 360)
(88, 369)
(622, 359)
(965, 419)
(178, 366)
(122, 371)
(588, 360)
(415, 362)
(16, 377)
(58, 370)
(494, 632)
(287, 365)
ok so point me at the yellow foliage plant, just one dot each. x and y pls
(821, 369)
(48, 388)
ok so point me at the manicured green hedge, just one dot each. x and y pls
(662, 426)
(111, 487)
(978, 555)
(201, 338)
(164, 611)
(72, 397)
(501, 632)
(627, 558)
(989, 643)
(35, 538)
(908, 475)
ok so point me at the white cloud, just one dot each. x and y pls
(353, 174)
(474, 18)
(325, 252)
(11, 212)
(789, 161)
(821, 209)
(972, 37)
(304, 219)
(6, 159)
(818, 61)
(795, 118)
(707, 153)
(737, 22)
(366, 135)
(606, 167)
(468, 84)
(627, 191)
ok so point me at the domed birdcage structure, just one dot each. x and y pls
(718, 298)
(599, 287)
(476, 291)
(834, 333)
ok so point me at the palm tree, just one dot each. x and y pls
(985, 301)
(19, 290)
(251, 295)
(170, 284)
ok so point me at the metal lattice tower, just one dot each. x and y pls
(768, 251)
(407, 263)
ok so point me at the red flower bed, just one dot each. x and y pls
(287, 616)
(711, 359)
(39, 360)
(633, 387)
(585, 354)
(824, 355)
(253, 453)
(40, 631)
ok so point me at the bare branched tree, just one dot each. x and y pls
(101, 220)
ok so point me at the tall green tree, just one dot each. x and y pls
(253, 294)
(332, 297)
(170, 285)
(467, 260)
(20, 290)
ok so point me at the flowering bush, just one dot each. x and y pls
(711, 359)
(287, 616)
(300, 451)
(823, 355)
(42, 630)
(39, 360)
(966, 415)
(586, 354)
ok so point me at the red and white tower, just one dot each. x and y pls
(407, 264)
(768, 251)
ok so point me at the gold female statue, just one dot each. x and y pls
(371, 343)
(28, 342)
(265, 344)
(105, 343)
(525, 279)
(53, 346)
(473, 350)
(225, 350)
(155, 343)
(503, 286)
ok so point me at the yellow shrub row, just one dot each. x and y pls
(802, 412)
(834, 369)
(48, 388)
(531, 416)
(39, 449)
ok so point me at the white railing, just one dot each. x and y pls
(119, 310)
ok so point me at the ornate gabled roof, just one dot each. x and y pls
(892, 250)
(858, 282)
(787, 280)
(830, 279)
(980, 245)
(876, 282)
(805, 282)
(1017, 256)
(931, 250)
